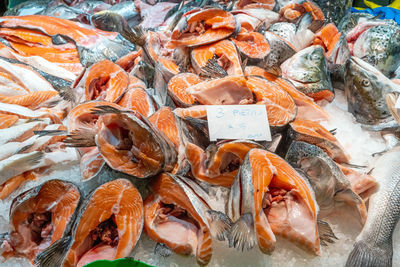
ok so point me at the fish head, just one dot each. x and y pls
(380, 46)
(366, 89)
(108, 21)
(308, 70)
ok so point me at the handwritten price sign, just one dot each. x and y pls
(238, 122)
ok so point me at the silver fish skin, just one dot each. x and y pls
(366, 89)
(380, 46)
(18, 164)
(374, 246)
(218, 223)
(334, 10)
(330, 185)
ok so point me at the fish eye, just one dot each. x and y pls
(366, 83)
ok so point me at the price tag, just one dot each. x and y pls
(238, 122)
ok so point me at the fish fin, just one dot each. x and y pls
(135, 35)
(316, 25)
(364, 254)
(333, 131)
(242, 234)
(304, 22)
(103, 110)
(53, 255)
(67, 93)
(50, 133)
(391, 100)
(276, 70)
(162, 250)
(33, 159)
(325, 233)
(220, 224)
(81, 137)
(212, 69)
(24, 148)
(353, 200)
(211, 150)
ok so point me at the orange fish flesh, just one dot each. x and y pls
(218, 167)
(306, 107)
(39, 217)
(203, 27)
(314, 133)
(7, 121)
(270, 198)
(131, 144)
(280, 106)
(252, 45)
(109, 225)
(177, 88)
(177, 216)
(224, 53)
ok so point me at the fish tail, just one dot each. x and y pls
(135, 35)
(326, 233)
(67, 93)
(220, 224)
(33, 159)
(54, 255)
(365, 255)
(50, 133)
(242, 233)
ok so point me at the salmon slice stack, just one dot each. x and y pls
(280, 106)
(264, 201)
(108, 226)
(177, 88)
(314, 133)
(39, 217)
(218, 59)
(306, 107)
(218, 165)
(203, 27)
(178, 216)
(105, 80)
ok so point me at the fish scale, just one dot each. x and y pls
(374, 244)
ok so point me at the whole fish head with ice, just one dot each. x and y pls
(366, 89)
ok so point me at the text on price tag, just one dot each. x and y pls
(238, 122)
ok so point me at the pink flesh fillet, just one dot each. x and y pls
(221, 93)
(99, 252)
(292, 219)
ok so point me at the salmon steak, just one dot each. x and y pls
(280, 106)
(131, 144)
(217, 59)
(178, 215)
(218, 164)
(203, 27)
(107, 227)
(269, 198)
(177, 88)
(314, 133)
(39, 217)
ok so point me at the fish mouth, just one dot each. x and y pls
(101, 243)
